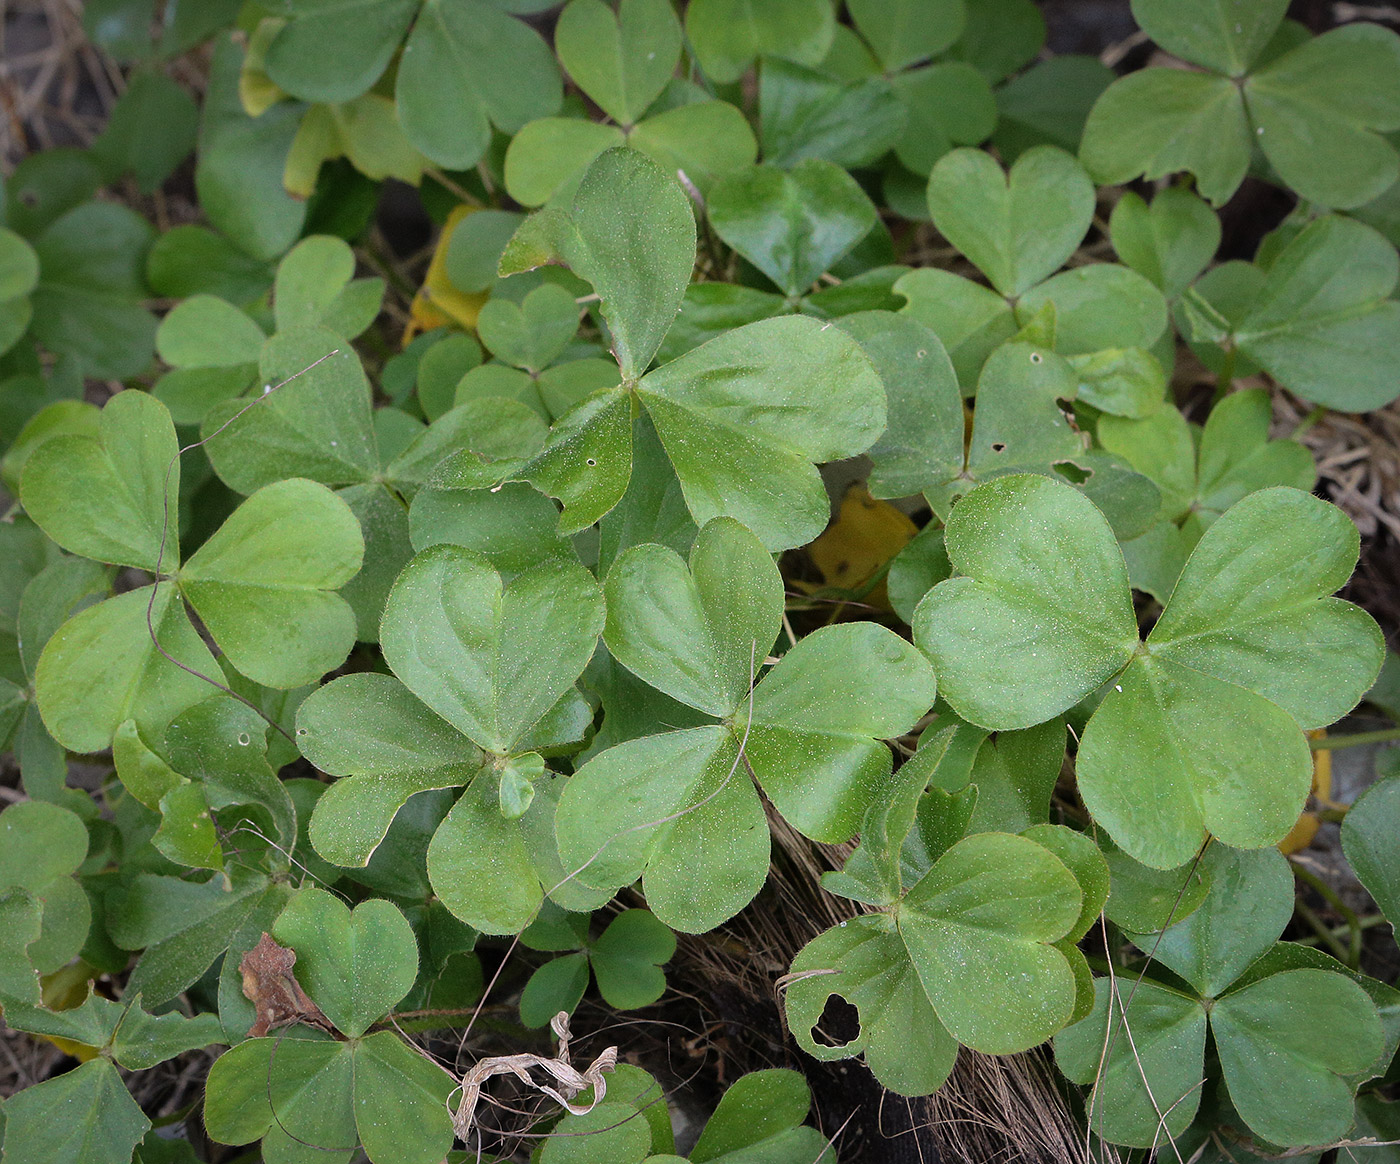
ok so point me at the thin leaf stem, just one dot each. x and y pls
(1226, 380)
(1324, 935)
(1351, 956)
(1318, 412)
(1356, 740)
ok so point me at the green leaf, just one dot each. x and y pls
(1144, 900)
(764, 402)
(1001, 38)
(1098, 306)
(705, 139)
(261, 583)
(471, 445)
(549, 157)
(184, 926)
(1249, 903)
(388, 547)
(474, 250)
(1070, 630)
(205, 331)
(22, 915)
(903, 32)
(971, 320)
(948, 104)
(194, 260)
(557, 985)
(701, 633)
(1200, 478)
(499, 896)
(113, 496)
(711, 309)
(241, 160)
(354, 964)
(386, 746)
(468, 66)
(631, 234)
(187, 834)
(515, 526)
(729, 34)
(1252, 608)
(47, 184)
(39, 843)
(1142, 1048)
(290, 1092)
(314, 422)
(1080, 856)
(830, 705)
(923, 440)
(1323, 324)
(1319, 112)
(314, 288)
(1157, 121)
(474, 648)
(1028, 222)
(1285, 1081)
(1222, 36)
(533, 334)
(149, 131)
(655, 807)
(904, 1044)
(86, 1114)
(611, 1133)
(222, 742)
(135, 1039)
(19, 266)
(88, 303)
(102, 667)
(1367, 833)
(756, 1107)
(805, 114)
(621, 60)
(1120, 381)
(333, 50)
(977, 928)
(401, 1102)
(792, 225)
(588, 459)
(1157, 799)
(1171, 242)
(627, 959)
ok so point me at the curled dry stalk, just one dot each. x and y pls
(569, 1080)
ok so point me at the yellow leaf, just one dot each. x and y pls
(1301, 835)
(365, 130)
(256, 90)
(865, 535)
(63, 990)
(438, 303)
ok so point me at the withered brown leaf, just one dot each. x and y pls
(271, 986)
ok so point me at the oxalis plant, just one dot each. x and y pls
(409, 673)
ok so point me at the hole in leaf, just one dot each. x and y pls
(590, 462)
(998, 446)
(1036, 357)
(1072, 472)
(839, 1024)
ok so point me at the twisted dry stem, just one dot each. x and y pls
(570, 1080)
